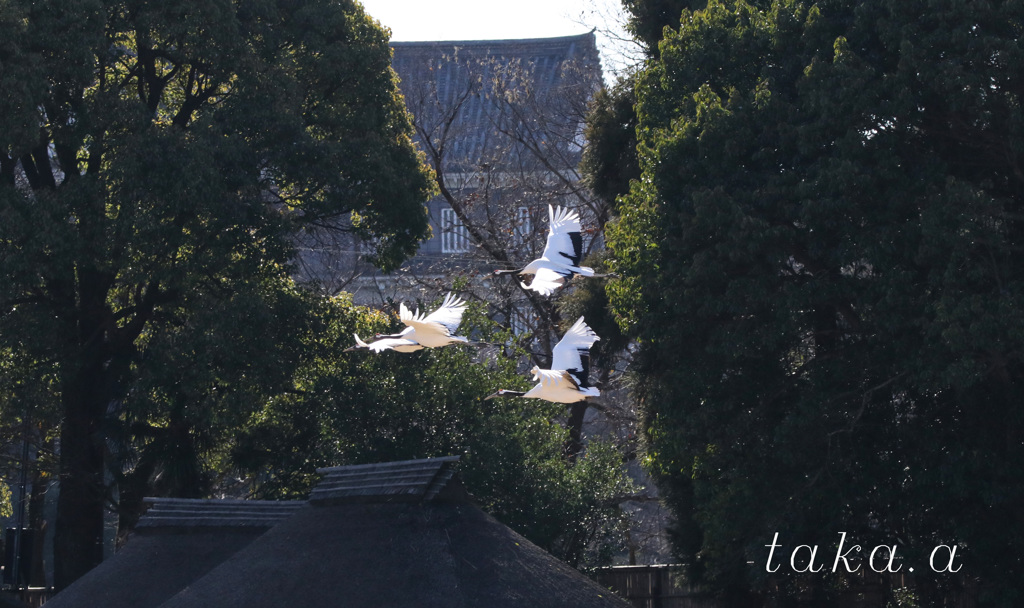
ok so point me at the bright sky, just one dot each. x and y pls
(490, 19)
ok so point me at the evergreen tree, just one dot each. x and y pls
(820, 263)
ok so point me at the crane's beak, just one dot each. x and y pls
(359, 344)
(497, 394)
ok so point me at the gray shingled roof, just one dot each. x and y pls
(175, 542)
(435, 77)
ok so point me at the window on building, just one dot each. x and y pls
(523, 226)
(454, 236)
(523, 319)
(367, 246)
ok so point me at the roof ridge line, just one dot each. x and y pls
(393, 463)
(155, 500)
(403, 480)
(485, 41)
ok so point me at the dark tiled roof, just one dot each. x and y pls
(439, 76)
(409, 480)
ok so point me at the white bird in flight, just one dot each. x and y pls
(566, 381)
(561, 257)
(430, 331)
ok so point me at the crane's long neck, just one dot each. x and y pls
(505, 393)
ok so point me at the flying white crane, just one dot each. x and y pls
(566, 381)
(561, 257)
(424, 331)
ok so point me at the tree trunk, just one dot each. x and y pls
(37, 522)
(574, 445)
(78, 537)
(90, 373)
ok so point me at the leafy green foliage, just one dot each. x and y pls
(820, 263)
(195, 388)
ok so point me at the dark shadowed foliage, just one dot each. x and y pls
(821, 262)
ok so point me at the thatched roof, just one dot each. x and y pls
(392, 534)
(175, 542)
(400, 534)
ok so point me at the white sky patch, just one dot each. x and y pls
(490, 20)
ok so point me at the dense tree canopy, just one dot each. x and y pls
(821, 263)
(203, 378)
(156, 155)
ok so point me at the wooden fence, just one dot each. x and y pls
(666, 587)
(33, 597)
(654, 587)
